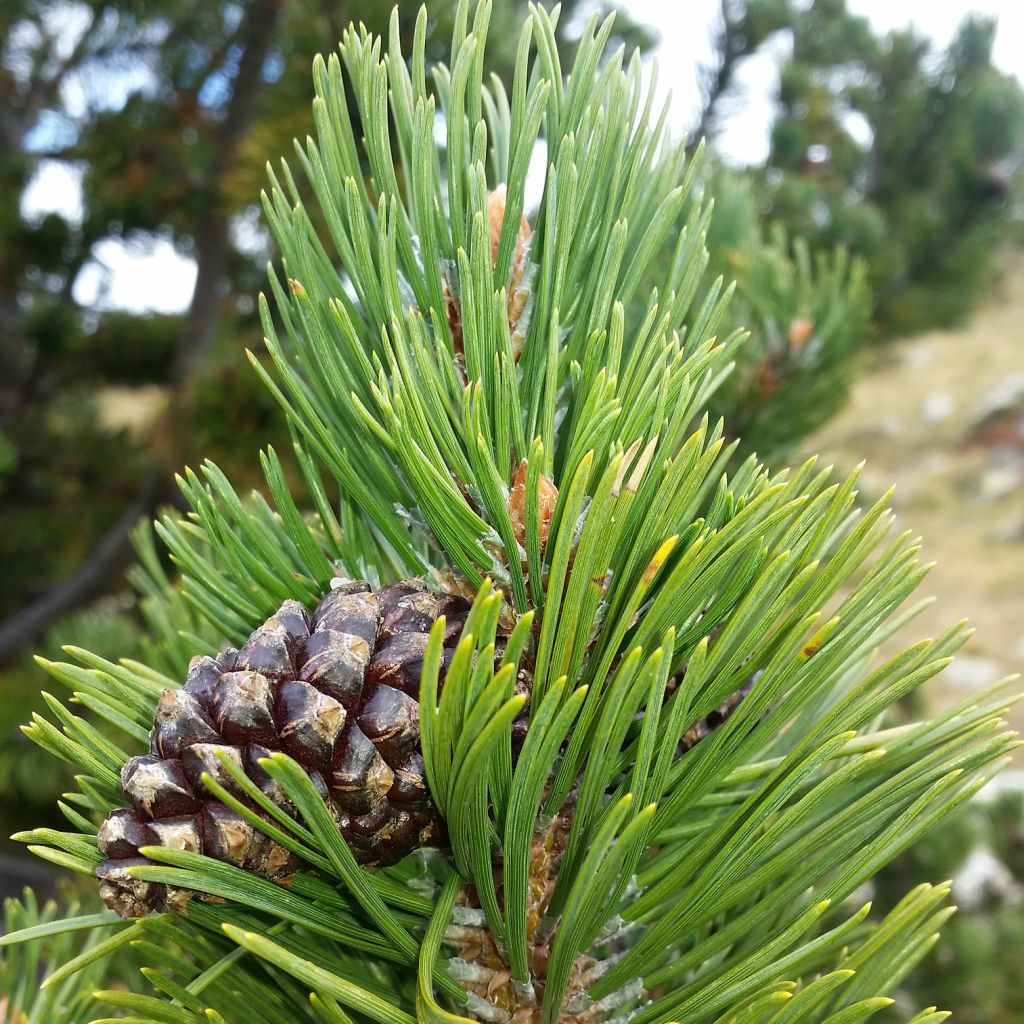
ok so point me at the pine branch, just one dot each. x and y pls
(37, 941)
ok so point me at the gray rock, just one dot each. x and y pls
(971, 672)
(937, 407)
(1001, 479)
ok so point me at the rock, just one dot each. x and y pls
(1010, 531)
(935, 463)
(937, 407)
(983, 873)
(1001, 479)
(919, 355)
(892, 425)
(998, 421)
(971, 672)
(1007, 394)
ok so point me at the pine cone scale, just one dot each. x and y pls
(336, 664)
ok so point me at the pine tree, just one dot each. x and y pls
(808, 314)
(908, 156)
(643, 690)
(166, 159)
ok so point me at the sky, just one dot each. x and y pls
(685, 27)
(155, 277)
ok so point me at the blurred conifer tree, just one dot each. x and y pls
(903, 153)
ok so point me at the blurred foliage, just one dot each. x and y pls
(975, 971)
(808, 313)
(66, 477)
(903, 154)
(23, 1000)
(30, 780)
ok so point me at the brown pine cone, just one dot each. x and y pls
(338, 691)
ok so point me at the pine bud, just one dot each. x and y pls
(800, 331)
(547, 499)
(516, 286)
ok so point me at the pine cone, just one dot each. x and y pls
(337, 691)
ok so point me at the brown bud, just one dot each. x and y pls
(516, 287)
(453, 312)
(517, 292)
(800, 331)
(767, 378)
(547, 499)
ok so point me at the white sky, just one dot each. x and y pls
(686, 25)
(160, 279)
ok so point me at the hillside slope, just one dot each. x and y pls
(942, 416)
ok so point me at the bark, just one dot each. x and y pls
(17, 358)
(212, 237)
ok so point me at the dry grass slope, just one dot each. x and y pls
(942, 417)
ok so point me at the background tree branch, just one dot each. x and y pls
(113, 552)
